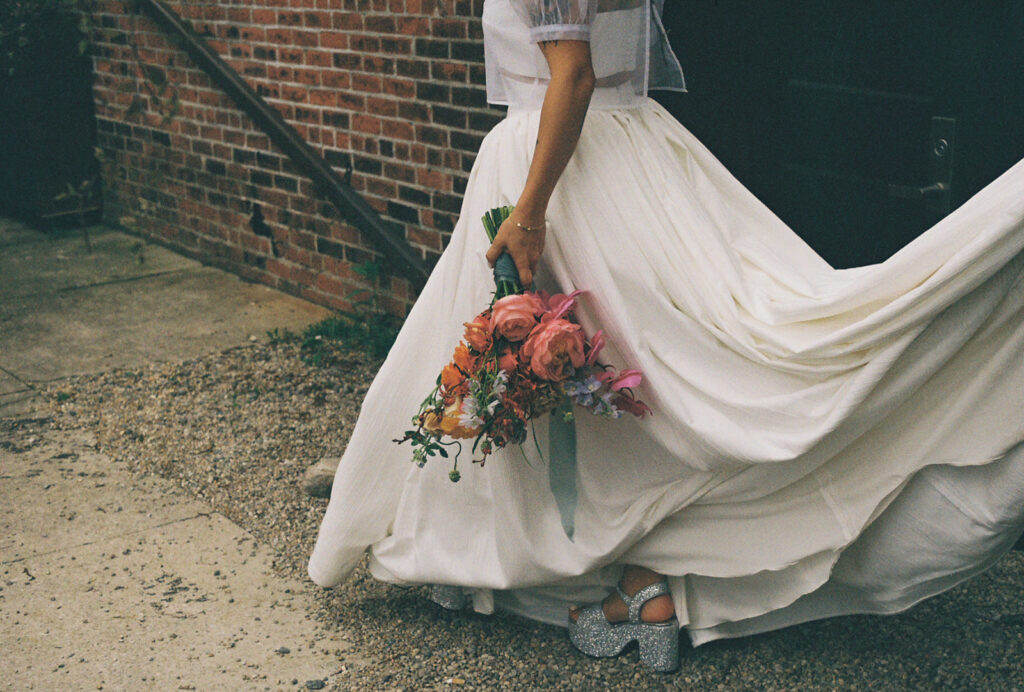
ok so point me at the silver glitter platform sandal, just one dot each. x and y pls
(448, 597)
(658, 641)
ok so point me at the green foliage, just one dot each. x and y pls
(365, 327)
(281, 336)
(82, 194)
(21, 20)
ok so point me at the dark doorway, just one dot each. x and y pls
(47, 128)
(862, 123)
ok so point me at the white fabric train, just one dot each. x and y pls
(824, 441)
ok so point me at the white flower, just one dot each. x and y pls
(499, 383)
(470, 422)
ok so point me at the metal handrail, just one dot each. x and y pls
(351, 205)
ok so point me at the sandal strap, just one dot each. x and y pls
(640, 598)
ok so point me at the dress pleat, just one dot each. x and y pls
(823, 442)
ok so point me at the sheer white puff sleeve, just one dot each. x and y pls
(550, 20)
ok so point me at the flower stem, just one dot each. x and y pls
(492, 221)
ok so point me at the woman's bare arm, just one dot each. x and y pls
(561, 120)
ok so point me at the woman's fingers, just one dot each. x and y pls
(525, 272)
(494, 252)
(525, 248)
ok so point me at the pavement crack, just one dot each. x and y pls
(64, 549)
(121, 280)
(27, 385)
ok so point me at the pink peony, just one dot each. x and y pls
(555, 348)
(514, 317)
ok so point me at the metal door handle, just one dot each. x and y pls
(935, 195)
(914, 192)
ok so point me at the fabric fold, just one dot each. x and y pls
(811, 425)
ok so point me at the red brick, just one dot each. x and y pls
(373, 63)
(323, 97)
(435, 180)
(451, 71)
(398, 129)
(364, 44)
(382, 106)
(402, 88)
(279, 36)
(348, 21)
(366, 123)
(330, 284)
(366, 82)
(319, 58)
(334, 40)
(381, 188)
(307, 38)
(307, 77)
(448, 28)
(412, 26)
(380, 24)
(336, 80)
(428, 239)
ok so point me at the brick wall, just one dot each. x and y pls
(393, 86)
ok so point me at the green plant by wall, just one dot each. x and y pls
(20, 22)
(365, 327)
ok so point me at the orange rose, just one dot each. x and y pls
(555, 349)
(515, 316)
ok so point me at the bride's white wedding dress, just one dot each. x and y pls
(823, 442)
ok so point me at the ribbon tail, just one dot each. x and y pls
(562, 464)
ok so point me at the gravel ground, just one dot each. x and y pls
(237, 429)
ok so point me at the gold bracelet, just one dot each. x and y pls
(529, 228)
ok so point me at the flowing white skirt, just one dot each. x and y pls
(823, 441)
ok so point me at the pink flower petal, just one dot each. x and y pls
(596, 344)
(561, 304)
(627, 378)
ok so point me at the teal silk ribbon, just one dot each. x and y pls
(562, 464)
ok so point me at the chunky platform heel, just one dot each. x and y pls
(448, 597)
(592, 634)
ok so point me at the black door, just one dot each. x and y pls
(47, 127)
(861, 123)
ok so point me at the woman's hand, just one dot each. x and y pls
(561, 119)
(525, 248)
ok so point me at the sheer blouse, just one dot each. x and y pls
(630, 50)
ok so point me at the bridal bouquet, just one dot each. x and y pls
(522, 357)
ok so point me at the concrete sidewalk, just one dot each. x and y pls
(110, 580)
(64, 311)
